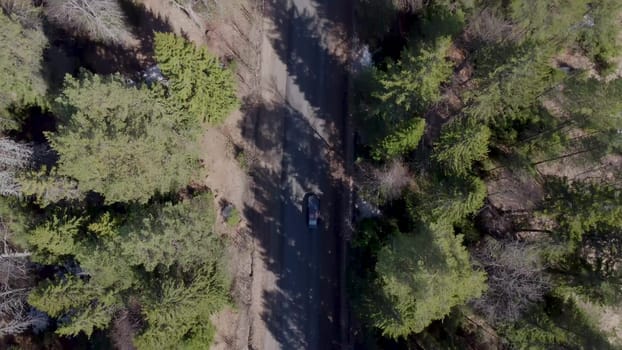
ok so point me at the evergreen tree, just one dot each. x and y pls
(554, 23)
(198, 85)
(561, 323)
(513, 87)
(166, 255)
(178, 315)
(460, 145)
(82, 303)
(47, 187)
(580, 207)
(423, 275)
(594, 105)
(410, 85)
(597, 37)
(119, 141)
(163, 235)
(55, 238)
(21, 82)
(403, 140)
(449, 199)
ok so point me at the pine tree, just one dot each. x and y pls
(580, 207)
(412, 84)
(47, 187)
(449, 199)
(198, 84)
(166, 255)
(21, 82)
(179, 314)
(403, 140)
(55, 238)
(168, 234)
(554, 23)
(597, 38)
(513, 87)
(85, 305)
(120, 141)
(594, 105)
(423, 275)
(460, 145)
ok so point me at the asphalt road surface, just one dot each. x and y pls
(303, 130)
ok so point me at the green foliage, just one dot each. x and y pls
(47, 187)
(119, 141)
(15, 220)
(554, 23)
(412, 84)
(460, 145)
(55, 238)
(439, 21)
(513, 87)
(560, 324)
(403, 140)
(600, 39)
(594, 104)
(82, 302)
(163, 235)
(179, 313)
(165, 254)
(423, 276)
(21, 82)
(450, 199)
(198, 85)
(234, 218)
(580, 207)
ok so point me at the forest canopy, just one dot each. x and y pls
(109, 240)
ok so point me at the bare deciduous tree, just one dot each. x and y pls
(13, 158)
(125, 326)
(101, 20)
(409, 5)
(16, 315)
(516, 279)
(23, 11)
(201, 10)
(490, 27)
(14, 155)
(386, 183)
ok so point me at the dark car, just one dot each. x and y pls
(313, 210)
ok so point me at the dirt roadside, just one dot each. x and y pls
(235, 36)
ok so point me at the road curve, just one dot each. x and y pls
(305, 82)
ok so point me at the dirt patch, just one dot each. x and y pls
(611, 323)
(608, 318)
(583, 168)
(229, 182)
(576, 61)
(235, 36)
(225, 175)
(513, 192)
(233, 323)
(180, 23)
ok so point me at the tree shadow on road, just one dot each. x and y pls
(307, 290)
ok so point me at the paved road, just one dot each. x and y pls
(302, 132)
